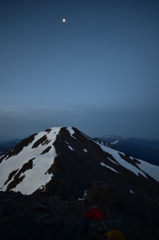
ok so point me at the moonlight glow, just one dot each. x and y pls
(64, 20)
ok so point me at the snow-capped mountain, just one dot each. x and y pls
(63, 161)
(114, 137)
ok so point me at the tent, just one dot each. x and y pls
(94, 213)
(113, 235)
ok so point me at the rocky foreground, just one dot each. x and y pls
(26, 217)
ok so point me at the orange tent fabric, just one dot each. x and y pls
(113, 235)
(94, 213)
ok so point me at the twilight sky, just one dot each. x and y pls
(98, 71)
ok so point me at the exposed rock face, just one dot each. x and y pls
(27, 217)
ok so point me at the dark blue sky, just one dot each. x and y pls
(98, 71)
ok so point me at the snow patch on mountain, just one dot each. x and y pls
(121, 161)
(149, 168)
(84, 195)
(115, 142)
(41, 162)
(113, 161)
(131, 192)
(104, 165)
(71, 131)
(70, 148)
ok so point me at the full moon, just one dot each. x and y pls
(64, 20)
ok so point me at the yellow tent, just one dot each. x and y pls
(113, 235)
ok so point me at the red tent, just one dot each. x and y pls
(94, 213)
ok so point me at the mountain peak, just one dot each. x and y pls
(111, 136)
(63, 161)
(31, 158)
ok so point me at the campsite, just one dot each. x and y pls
(25, 217)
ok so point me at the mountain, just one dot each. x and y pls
(114, 137)
(9, 142)
(6, 146)
(57, 159)
(67, 164)
(54, 157)
(147, 150)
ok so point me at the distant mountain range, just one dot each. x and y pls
(6, 146)
(147, 150)
(114, 137)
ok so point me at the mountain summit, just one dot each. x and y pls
(63, 161)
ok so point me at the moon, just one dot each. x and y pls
(64, 20)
